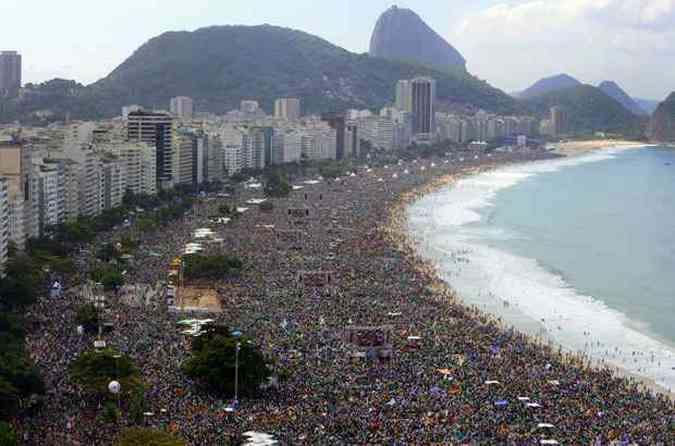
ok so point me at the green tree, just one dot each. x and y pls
(277, 184)
(7, 434)
(94, 370)
(137, 436)
(213, 364)
(87, 316)
(210, 267)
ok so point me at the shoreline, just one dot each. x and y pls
(398, 233)
(578, 148)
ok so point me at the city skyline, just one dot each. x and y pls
(626, 41)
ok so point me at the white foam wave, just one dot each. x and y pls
(521, 290)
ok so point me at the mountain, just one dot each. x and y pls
(589, 110)
(549, 84)
(648, 105)
(611, 89)
(400, 34)
(662, 124)
(219, 66)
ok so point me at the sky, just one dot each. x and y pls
(511, 44)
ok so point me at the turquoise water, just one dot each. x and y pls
(608, 228)
(579, 250)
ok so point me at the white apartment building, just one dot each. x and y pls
(140, 165)
(48, 191)
(91, 185)
(378, 130)
(286, 146)
(114, 181)
(319, 144)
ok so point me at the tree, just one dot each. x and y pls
(210, 267)
(87, 316)
(277, 184)
(7, 434)
(213, 364)
(137, 436)
(94, 370)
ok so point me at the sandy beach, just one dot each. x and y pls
(576, 148)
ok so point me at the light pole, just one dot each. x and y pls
(236, 374)
(117, 373)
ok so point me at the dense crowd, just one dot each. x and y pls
(465, 379)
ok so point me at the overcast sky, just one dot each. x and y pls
(509, 43)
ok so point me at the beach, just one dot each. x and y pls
(453, 374)
(577, 148)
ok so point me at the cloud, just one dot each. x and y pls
(512, 44)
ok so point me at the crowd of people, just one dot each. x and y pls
(455, 376)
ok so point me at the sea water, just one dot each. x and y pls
(578, 250)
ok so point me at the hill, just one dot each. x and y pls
(219, 66)
(549, 84)
(611, 89)
(400, 34)
(589, 111)
(662, 123)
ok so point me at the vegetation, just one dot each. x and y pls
(210, 267)
(218, 76)
(277, 184)
(589, 110)
(662, 124)
(109, 276)
(335, 169)
(7, 434)
(148, 437)
(94, 370)
(213, 364)
(87, 316)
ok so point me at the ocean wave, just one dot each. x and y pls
(527, 294)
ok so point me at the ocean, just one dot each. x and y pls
(580, 251)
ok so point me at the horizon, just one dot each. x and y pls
(589, 40)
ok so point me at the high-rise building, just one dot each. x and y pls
(214, 158)
(404, 95)
(4, 224)
(140, 165)
(182, 107)
(287, 108)
(559, 121)
(337, 122)
(10, 72)
(114, 176)
(16, 165)
(423, 105)
(158, 130)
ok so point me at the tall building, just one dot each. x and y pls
(158, 130)
(337, 122)
(4, 225)
(182, 107)
(286, 146)
(559, 121)
(10, 72)
(404, 95)
(423, 105)
(140, 165)
(287, 108)
(91, 184)
(16, 165)
(48, 192)
(214, 158)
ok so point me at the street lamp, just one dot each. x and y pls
(236, 374)
(117, 374)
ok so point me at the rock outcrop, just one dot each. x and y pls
(400, 34)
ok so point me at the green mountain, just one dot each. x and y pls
(589, 110)
(219, 66)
